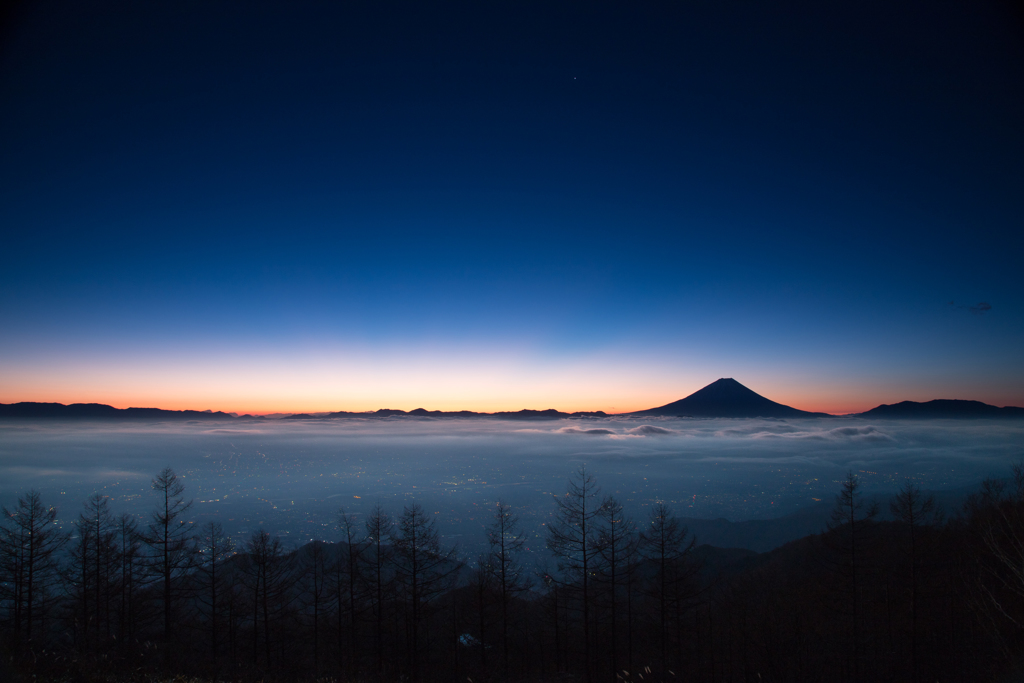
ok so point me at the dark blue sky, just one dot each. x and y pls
(303, 206)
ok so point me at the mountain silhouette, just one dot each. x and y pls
(726, 398)
(99, 411)
(549, 414)
(723, 398)
(951, 408)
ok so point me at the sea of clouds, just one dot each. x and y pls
(293, 476)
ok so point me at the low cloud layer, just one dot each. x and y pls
(650, 430)
(642, 430)
(294, 476)
(853, 434)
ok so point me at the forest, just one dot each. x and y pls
(926, 595)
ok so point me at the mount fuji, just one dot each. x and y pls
(726, 398)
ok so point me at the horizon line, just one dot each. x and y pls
(280, 414)
(325, 413)
(845, 407)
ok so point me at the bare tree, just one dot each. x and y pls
(98, 538)
(214, 549)
(617, 544)
(315, 589)
(668, 543)
(347, 577)
(130, 566)
(846, 534)
(29, 542)
(170, 539)
(422, 568)
(379, 530)
(269, 582)
(483, 583)
(505, 540)
(915, 511)
(994, 562)
(572, 537)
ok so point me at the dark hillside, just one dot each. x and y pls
(915, 597)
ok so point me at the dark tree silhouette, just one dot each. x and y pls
(572, 538)
(992, 564)
(617, 544)
(170, 539)
(846, 536)
(379, 531)
(483, 585)
(914, 510)
(29, 543)
(505, 541)
(668, 544)
(347, 582)
(76, 584)
(98, 537)
(214, 549)
(269, 581)
(422, 567)
(130, 569)
(315, 590)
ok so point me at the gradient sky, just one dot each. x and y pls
(264, 207)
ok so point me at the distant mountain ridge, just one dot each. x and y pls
(723, 398)
(99, 411)
(726, 398)
(549, 414)
(940, 408)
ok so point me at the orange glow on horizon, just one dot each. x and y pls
(242, 406)
(260, 382)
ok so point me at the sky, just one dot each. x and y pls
(294, 207)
